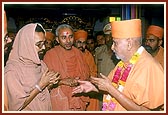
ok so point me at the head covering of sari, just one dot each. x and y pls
(126, 29)
(24, 45)
(156, 31)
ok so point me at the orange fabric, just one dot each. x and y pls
(50, 36)
(80, 34)
(94, 102)
(5, 24)
(144, 85)
(160, 56)
(126, 29)
(156, 31)
(91, 63)
(69, 63)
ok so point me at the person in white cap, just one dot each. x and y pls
(103, 55)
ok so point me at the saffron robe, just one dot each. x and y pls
(94, 102)
(69, 63)
(91, 63)
(145, 83)
(160, 56)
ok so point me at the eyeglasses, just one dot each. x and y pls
(40, 44)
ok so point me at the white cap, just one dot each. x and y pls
(107, 28)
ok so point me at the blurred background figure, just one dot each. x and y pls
(49, 43)
(91, 44)
(100, 39)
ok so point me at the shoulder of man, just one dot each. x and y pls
(101, 49)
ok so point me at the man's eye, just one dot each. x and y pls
(38, 44)
(79, 42)
(150, 40)
(71, 36)
(63, 37)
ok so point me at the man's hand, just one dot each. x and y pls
(102, 83)
(85, 87)
(72, 82)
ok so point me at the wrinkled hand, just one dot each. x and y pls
(102, 83)
(84, 86)
(72, 82)
(49, 77)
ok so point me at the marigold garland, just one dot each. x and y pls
(119, 80)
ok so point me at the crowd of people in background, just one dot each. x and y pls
(68, 70)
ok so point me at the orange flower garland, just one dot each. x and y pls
(119, 80)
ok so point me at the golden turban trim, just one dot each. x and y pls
(156, 31)
(126, 29)
(80, 34)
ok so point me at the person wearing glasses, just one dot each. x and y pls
(154, 40)
(26, 77)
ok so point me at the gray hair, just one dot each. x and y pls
(61, 27)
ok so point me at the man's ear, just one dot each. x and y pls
(160, 42)
(129, 40)
(57, 39)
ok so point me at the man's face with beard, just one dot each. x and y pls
(152, 43)
(39, 43)
(81, 44)
(41, 54)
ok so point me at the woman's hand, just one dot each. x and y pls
(49, 77)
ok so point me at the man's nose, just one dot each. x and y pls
(67, 39)
(43, 47)
(112, 47)
(147, 42)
